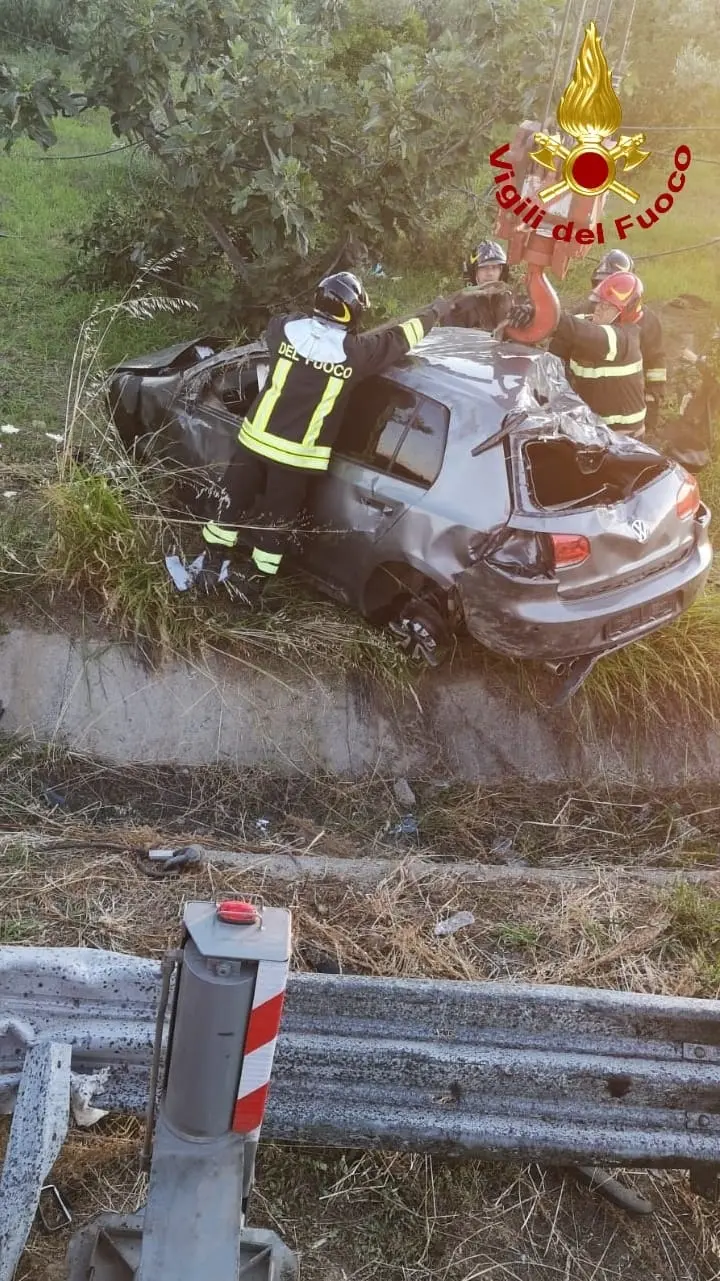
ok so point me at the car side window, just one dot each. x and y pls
(395, 431)
(374, 421)
(421, 453)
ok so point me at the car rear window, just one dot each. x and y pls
(395, 431)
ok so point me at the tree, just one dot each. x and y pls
(269, 129)
(674, 62)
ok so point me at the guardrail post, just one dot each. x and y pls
(225, 1019)
(38, 1130)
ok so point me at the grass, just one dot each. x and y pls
(99, 539)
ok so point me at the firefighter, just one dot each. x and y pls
(603, 353)
(286, 439)
(651, 337)
(487, 301)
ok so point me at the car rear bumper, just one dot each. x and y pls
(527, 619)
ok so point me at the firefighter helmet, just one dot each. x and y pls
(341, 298)
(623, 290)
(614, 260)
(487, 254)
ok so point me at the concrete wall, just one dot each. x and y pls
(99, 700)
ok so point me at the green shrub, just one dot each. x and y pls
(133, 225)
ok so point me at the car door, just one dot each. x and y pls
(212, 405)
(387, 455)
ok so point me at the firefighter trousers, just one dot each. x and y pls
(262, 491)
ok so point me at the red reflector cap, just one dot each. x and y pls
(570, 549)
(235, 912)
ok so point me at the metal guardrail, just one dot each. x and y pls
(552, 1074)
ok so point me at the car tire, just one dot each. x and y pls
(420, 631)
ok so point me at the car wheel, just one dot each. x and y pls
(420, 631)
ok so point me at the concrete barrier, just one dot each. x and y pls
(99, 700)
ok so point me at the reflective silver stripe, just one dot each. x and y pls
(279, 450)
(612, 341)
(605, 371)
(613, 419)
(217, 535)
(656, 375)
(413, 331)
(267, 562)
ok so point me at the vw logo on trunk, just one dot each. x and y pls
(640, 530)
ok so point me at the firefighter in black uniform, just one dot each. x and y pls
(651, 337)
(288, 434)
(603, 355)
(487, 301)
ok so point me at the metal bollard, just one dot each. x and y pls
(223, 1029)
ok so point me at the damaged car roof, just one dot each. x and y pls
(520, 380)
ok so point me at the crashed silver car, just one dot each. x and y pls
(470, 488)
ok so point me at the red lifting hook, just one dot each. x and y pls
(547, 308)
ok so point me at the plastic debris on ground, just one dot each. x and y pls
(184, 856)
(53, 435)
(184, 578)
(407, 826)
(502, 847)
(453, 924)
(262, 824)
(9, 430)
(403, 793)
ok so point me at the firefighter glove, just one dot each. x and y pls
(442, 308)
(521, 315)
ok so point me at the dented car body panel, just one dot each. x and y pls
(470, 474)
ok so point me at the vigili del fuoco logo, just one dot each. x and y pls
(590, 113)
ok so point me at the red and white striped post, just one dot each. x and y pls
(259, 1049)
(272, 953)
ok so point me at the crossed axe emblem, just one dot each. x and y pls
(550, 149)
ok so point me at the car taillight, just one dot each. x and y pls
(688, 498)
(569, 549)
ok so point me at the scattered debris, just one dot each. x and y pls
(502, 847)
(453, 924)
(54, 798)
(52, 435)
(9, 430)
(175, 859)
(184, 578)
(404, 795)
(10, 493)
(262, 824)
(407, 826)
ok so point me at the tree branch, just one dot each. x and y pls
(231, 251)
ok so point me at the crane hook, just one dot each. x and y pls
(547, 308)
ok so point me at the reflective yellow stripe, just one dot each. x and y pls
(280, 450)
(269, 397)
(656, 375)
(332, 390)
(218, 535)
(306, 454)
(612, 341)
(612, 419)
(413, 331)
(267, 562)
(603, 371)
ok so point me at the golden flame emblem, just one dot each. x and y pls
(590, 112)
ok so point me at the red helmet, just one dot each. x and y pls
(623, 290)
